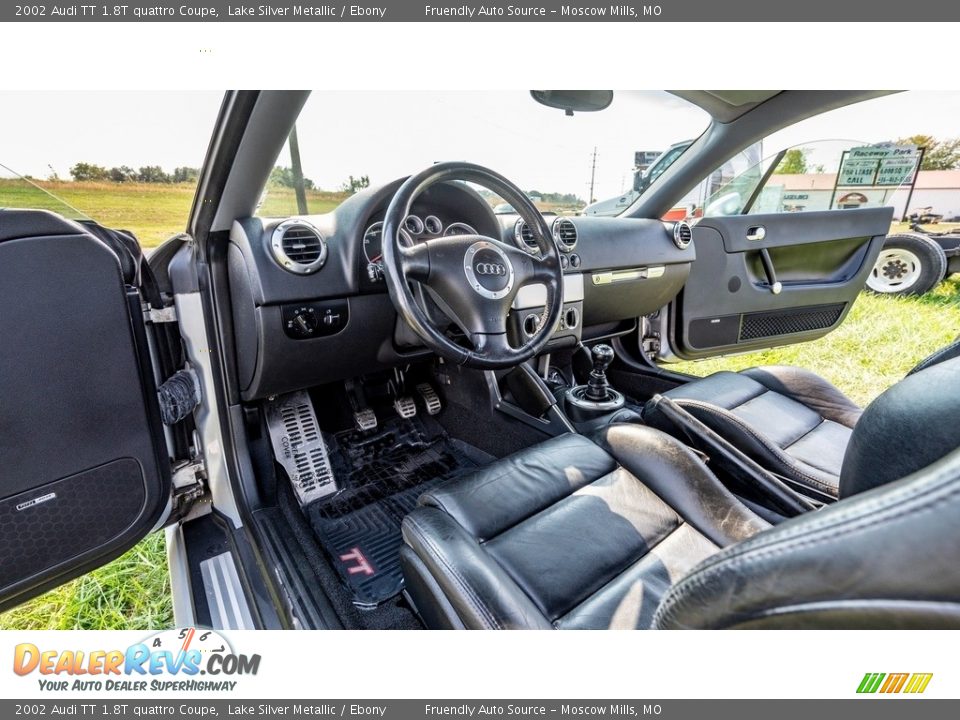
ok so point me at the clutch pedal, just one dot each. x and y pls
(299, 447)
(364, 419)
(430, 398)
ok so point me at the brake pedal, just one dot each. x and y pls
(365, 420)
(299, 447)
(430, 398)
(405, 406)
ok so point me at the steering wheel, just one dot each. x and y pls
(473, 278)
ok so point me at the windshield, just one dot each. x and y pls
(349, 140)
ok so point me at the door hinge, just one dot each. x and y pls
(189, 474)
(188, 486)
(160, 315)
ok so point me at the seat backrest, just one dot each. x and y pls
(885, 558)
(913, 424)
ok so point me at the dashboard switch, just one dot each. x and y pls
(304, 321)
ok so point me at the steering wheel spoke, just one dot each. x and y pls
(415, 261)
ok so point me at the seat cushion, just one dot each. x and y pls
(575, 532)
(789, 420)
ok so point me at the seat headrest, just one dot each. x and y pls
(913, 424)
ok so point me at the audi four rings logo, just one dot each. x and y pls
(490, 269)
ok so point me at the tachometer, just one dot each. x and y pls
(373, 242)
(459, 228)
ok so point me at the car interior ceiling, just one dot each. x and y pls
(379, 419)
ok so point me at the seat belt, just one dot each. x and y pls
(733, 462)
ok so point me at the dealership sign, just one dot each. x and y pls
(884, 165)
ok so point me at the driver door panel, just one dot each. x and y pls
(84, 473)
(821, 260)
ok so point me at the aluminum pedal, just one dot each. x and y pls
(405, 406)
(430, 398)
(299, 447)
(365, 420)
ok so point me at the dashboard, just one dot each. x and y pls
(310, 304)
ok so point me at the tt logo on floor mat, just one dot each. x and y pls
(357, 563)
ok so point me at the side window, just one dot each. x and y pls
(825, 175)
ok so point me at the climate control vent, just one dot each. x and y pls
(565, 233)
(524, 236)
(682, 235)
(298, 247)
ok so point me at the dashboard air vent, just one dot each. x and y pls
(298, 247)
(682, 235)
(524, 236)
(565, 233)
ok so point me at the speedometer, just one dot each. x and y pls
(459, 228)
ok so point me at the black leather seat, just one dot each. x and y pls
(572, 533)
(790, 421)
(628, 528)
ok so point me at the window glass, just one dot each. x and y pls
(128, 160)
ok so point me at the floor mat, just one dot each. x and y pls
(381, 476)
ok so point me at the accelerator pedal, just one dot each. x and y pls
(430, 398)
(298, 446)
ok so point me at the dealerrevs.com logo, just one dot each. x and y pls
(177, 660)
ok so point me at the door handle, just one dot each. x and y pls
(756, 233)
(775, 285)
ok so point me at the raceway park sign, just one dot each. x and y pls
(884, 165)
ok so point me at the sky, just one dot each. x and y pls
(389, 134)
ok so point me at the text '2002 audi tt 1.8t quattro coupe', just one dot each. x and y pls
(406, 410)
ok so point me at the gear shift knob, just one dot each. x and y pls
(602, 357)
(598, 390)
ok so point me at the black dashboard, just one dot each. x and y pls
(310, 305)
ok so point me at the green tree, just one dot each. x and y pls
(353, 185)
(122, 174)
(152, 174)
(939, 154)
(794, 162)
(88, 171)
(185, 174)
(283, 177)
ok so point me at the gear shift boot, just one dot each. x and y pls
(596, 398)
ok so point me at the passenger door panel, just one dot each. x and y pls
(84, 472)
(820, 259)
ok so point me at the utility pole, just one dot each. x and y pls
(297, 169)
(593, 173)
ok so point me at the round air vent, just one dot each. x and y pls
(298, 247)
(565, 233)
(682, 235)
(523, 236)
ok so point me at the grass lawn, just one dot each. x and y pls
(153, 212)
(880, 341)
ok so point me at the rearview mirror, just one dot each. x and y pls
(571, 101)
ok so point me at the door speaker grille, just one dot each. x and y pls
(788, 322)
